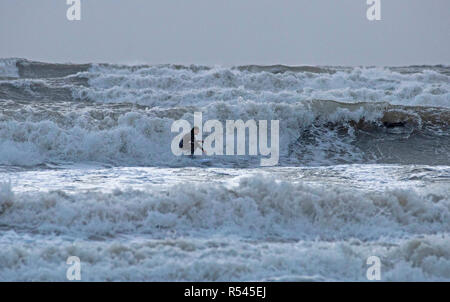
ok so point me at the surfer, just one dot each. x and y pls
(188, 142)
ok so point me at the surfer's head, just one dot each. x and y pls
(195, 130)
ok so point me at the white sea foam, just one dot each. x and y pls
(257, 229)
(36, 133)
(141, 137)
(165, 86)
(223, 259)
(257, 207)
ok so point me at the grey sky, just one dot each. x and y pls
(233, 32)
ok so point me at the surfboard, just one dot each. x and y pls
(205, 161)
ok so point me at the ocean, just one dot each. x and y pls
(86, 170)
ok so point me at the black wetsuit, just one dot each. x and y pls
(192, 142)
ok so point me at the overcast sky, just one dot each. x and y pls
(228, 32)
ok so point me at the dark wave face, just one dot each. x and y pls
(121, 115)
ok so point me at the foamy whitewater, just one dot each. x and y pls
(86, 170)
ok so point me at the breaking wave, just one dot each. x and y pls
(121, 115)
(257, 207)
